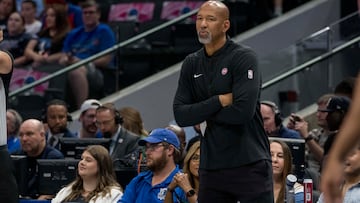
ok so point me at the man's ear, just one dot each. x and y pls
(226, 26)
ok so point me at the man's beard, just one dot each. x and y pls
(206, 40)
(158, 164)
(107, 134)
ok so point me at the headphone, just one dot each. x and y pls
(55, 102)
(110, 106)
(278, 119)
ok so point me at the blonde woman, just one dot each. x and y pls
(185, 186)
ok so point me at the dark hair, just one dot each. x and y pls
(22, 18)
(61, 21)
(90, 3)
(345, 87)
(33, 3)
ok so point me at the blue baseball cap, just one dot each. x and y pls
(337, 103)
(161, 135)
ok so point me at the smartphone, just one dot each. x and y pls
(296, 118)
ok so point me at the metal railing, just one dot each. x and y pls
(310, 63)
(100, 54)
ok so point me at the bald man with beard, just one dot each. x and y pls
(220, 86)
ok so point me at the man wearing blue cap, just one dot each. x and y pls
(162, 149)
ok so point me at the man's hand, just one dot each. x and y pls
(226, 99)
(331, 179)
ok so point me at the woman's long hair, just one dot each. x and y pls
(132, 121)
(105, 176)
(61, 22)
(187, 160)
(286, 170)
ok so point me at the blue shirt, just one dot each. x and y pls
(140, 189)
(285, 132)
(13, 144)
(74, 15)
(351, 196)
(84, 44)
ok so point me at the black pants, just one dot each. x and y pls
(8, 186)
(248, 184)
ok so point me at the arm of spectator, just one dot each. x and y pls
(31, 54)
(170, 190)
(103, 62)
(301, 126)
(53, 58)
(19, 61)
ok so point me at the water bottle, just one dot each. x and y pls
(290, 192)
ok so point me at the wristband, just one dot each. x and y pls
(310, 137)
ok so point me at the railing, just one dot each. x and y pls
(100, 54)
(309, 63)
(308, 49)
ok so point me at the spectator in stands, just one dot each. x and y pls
(345, 87)
(88, 120)
(316, 138)
(273, 122)
(124, 147)
(132, 121)
(350, 187)
(180, 133)
(13, 122)
(46, 48)
(33, 145)
(185, 186)
(282, 166)
(28, 11)
(16, 39)
(337, 108)
(73, 12)
(95, 181)
(6, 8)
(162, 151)
(83, 42)
(56, 117)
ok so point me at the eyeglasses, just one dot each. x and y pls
(106, 122)
(195, 158)
(153, 147)
(88, 12)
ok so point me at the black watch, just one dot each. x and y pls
(190, 193)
